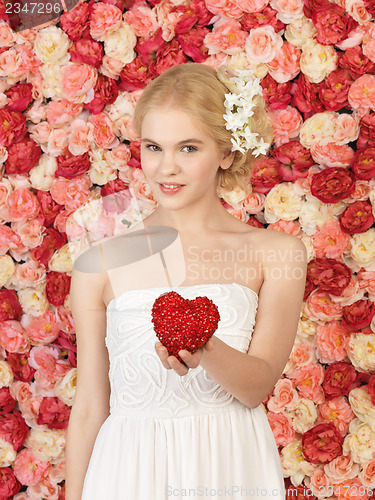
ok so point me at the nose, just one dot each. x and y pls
(168, 164)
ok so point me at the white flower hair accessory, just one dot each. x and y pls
(239, 107)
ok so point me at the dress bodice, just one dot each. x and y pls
(140, 384)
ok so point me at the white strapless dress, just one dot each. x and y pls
(179, 437)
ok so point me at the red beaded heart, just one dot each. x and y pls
(182, 323)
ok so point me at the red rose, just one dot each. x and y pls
(22, 156)
(306, 96)
(10, 307)
(54, 413)
(334, 90)
(192, 44)
(147, 50)
(13, 428)
(357, 217)
(135, 150)
(20, 366)
(329, 275)
(370, 6)
(253, 221)
(276, 95)
(19, 96)
(69, 165)
(169, 54)
(196, 13)
(7, 403)
(309, 287)
(12, 127)
(367, 131)
(88, 52)
(266, 17)
(68, 342)
(9, 484)
(332, 184)
(333, 24)
(355, 61)
(75, 23)
(339, 379)
(57, 287)
(135, 75)
(116, 196)
(311, 5)
(363, 164)
(295, 158)
(322, 443)
(358, 315)
(48, 207)
(106, 92)
(265, 174)
(52, 241)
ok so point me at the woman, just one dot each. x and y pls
(157, 426)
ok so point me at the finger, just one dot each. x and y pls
(163, 354)
(192, 360)
(178, 367)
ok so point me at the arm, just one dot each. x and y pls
(91, 403)
(251, 376)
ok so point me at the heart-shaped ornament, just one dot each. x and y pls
(183, 323)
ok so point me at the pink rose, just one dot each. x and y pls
(62, 111)
(226, 36)
(263, 44)
(105, 18)
(361, 94)
(330, 240)
(87, 52)
(8, 240)
(331, 154)
(307, 380)
(338, 411)
(78, 79)
(54, 413)
(46, 360)
(142, 19)
(284, 395)
(252, 5)
(30, 232)
(43, 329)
(285, 65)
(103, 131)
(23, 204)
(332, 342)
(225, 8)
(332, 23)
(286, 124)
(13, 337)
(281, 427)
(28, 469)
(30, 273)
(71, 193)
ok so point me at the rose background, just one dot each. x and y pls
(70, 174)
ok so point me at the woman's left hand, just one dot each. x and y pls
(192, 360)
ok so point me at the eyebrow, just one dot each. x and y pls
(197, 141)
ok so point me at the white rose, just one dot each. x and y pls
(293, 463)
(121, 43)
(360, 442)
(6, 374)
(51, 44)
(295, 10)
(316, 213)
(317, 61)
(122, 106)
(52, 81)
(303, 415)
(33, 300)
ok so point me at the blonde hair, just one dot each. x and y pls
(200, 90)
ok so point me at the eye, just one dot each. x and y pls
(152, 147)
(190, 149)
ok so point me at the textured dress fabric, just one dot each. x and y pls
(179, 437)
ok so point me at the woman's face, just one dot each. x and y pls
(176, 150)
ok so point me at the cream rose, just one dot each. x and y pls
(51, 44)
(121, 43)
(46, 444)
(317, 61)
(7, 453)
(303, 415)
(300, 31)
(6, 374)
(7, 268)
(100, 171)
(361, 351)
(315, 213)
(61, 261)
(362, 247)
(293, 462)
(65, 387)
(319, 127)
(360, 442)
(360, 401)
(122, 106)
(52, 80)
(43, 174)
(33, 300)
(282, 202)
